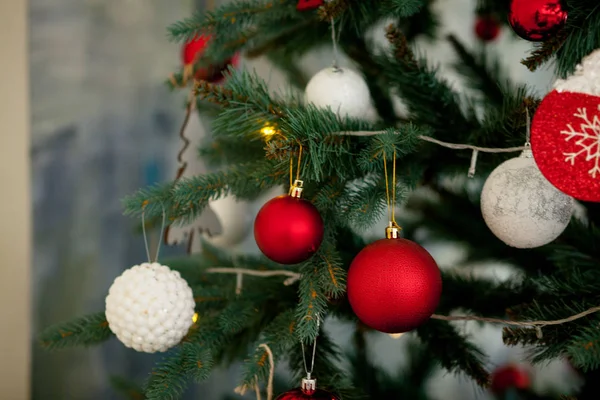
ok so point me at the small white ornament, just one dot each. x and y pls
(236, 221)
(341, 89)
(521, 207)
(150, 307)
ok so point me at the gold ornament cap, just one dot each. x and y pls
(296, 189)
(392, 231)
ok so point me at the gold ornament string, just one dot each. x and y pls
(297, 168)
(390, 202)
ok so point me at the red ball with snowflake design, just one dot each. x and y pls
(565, 132)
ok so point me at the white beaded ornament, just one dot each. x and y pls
(341, 89)
(521, 207)
(585, 79)
(150, 307)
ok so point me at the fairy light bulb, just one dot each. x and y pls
(195, 318)
(396, 335)
(268, 131)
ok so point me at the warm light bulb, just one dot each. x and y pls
(268, 130)
(195, 318)
(396, 335)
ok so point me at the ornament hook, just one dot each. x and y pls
(393, 228)
(296, 185)
(334, 41)
(162, 229)
(309, 384)
(528, 132)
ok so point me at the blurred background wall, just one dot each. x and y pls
(103, 124)
(15, 204)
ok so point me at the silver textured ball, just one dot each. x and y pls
(521, 207)
(150, 307)
(341, 89)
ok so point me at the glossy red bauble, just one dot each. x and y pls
(394, 285)
(487, 28)
(536, 20)
(288, 230)
(193, 50)
(304, 5)
(299, 394)
(565, 134)
(510, 377)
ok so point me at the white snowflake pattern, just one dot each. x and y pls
(587, 138)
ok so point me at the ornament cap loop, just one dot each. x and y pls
(309, 385)
(527, 153)
(296, 189)
(392, 231)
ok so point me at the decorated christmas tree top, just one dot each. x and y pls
(346, 158)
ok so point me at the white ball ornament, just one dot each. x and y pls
(521, 207)
(341, 89)
(235, 219)
(150, 308)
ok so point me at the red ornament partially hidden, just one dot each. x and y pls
(394, 285)
(191, 54)
(487, 28)
(289, 229)
(510, 377)
(304, 5)
(565, 140)
(308, 391)
(536, 20)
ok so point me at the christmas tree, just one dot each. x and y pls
(509, 175)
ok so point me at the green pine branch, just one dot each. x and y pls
(482, 73)
(430, 100)
(168, 379)
(454, 352)
(280, 336)
(83, 331)
(312, 306)
(127, 389)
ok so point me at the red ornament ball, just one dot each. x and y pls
(300, 394)
(304, 5)
(536, 20)
(394, 285)
(510, 377)
(487, 28)
(565, 140)
(288, 230)
(191, 54)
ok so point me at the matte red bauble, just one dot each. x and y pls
(510, 377)
(304, 5)
(565, 140)
(193, 50)
(308, 391)
(288, 229)
(536, 20)
(487, 28)
(394, 285)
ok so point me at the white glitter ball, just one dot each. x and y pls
(341, 89)
(521, 207)
(150, 307)
(586, 78)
